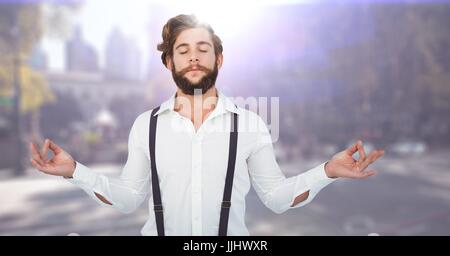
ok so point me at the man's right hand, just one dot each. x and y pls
(61, 164)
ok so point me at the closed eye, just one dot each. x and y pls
(199, 50)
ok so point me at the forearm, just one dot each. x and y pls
(70, 177)
(302, 197)
(311, 182)
(103, 199)
(123, 194)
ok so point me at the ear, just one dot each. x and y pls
(169, 63)
(219, 60)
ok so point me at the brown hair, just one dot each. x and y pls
(178, 24)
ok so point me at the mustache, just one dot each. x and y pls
(196, 67)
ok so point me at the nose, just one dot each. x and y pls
(193, 59)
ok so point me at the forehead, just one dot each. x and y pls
(192, 36)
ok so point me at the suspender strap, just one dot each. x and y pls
(157, 205)
(226, 203)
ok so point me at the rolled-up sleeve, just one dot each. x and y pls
(128, 191)
(275, 190)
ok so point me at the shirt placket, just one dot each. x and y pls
(196, 181)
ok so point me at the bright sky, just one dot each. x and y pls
(98, 17)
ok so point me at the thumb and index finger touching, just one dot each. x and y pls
(363, 159)
(43, 152)
(357, 147)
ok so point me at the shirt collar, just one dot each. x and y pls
(223, 104)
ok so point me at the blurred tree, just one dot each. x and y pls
(380, 72)
(58, 117)
(399, 78)
(19, 31)
(31, 21)
(21, 28)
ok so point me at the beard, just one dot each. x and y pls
(202, 86)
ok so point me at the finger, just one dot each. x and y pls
(352, 149)
(368, 161)
(358, 175)
(35, 154)
(47, 169)
(56, 149)
(44, 150)
(368, 174)
(371, 173)
(37, 165)
(361, 151)
(373, 156)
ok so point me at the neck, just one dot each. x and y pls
(196, 107)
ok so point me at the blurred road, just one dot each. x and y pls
(409, 196)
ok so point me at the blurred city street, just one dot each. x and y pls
(320, 74)
(410, 196)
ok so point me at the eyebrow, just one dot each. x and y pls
(198, 43)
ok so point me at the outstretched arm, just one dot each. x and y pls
(343, 165)
(62, 164)
(124, 193)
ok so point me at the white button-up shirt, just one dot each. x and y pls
(192, 166)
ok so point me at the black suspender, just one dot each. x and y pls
(157, 205)
(226, 203)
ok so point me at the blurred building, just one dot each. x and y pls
(80, 56)
(93, 90)
(122, 58)
(94, 111)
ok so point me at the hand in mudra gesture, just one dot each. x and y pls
(61, 164)
(344, 165)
